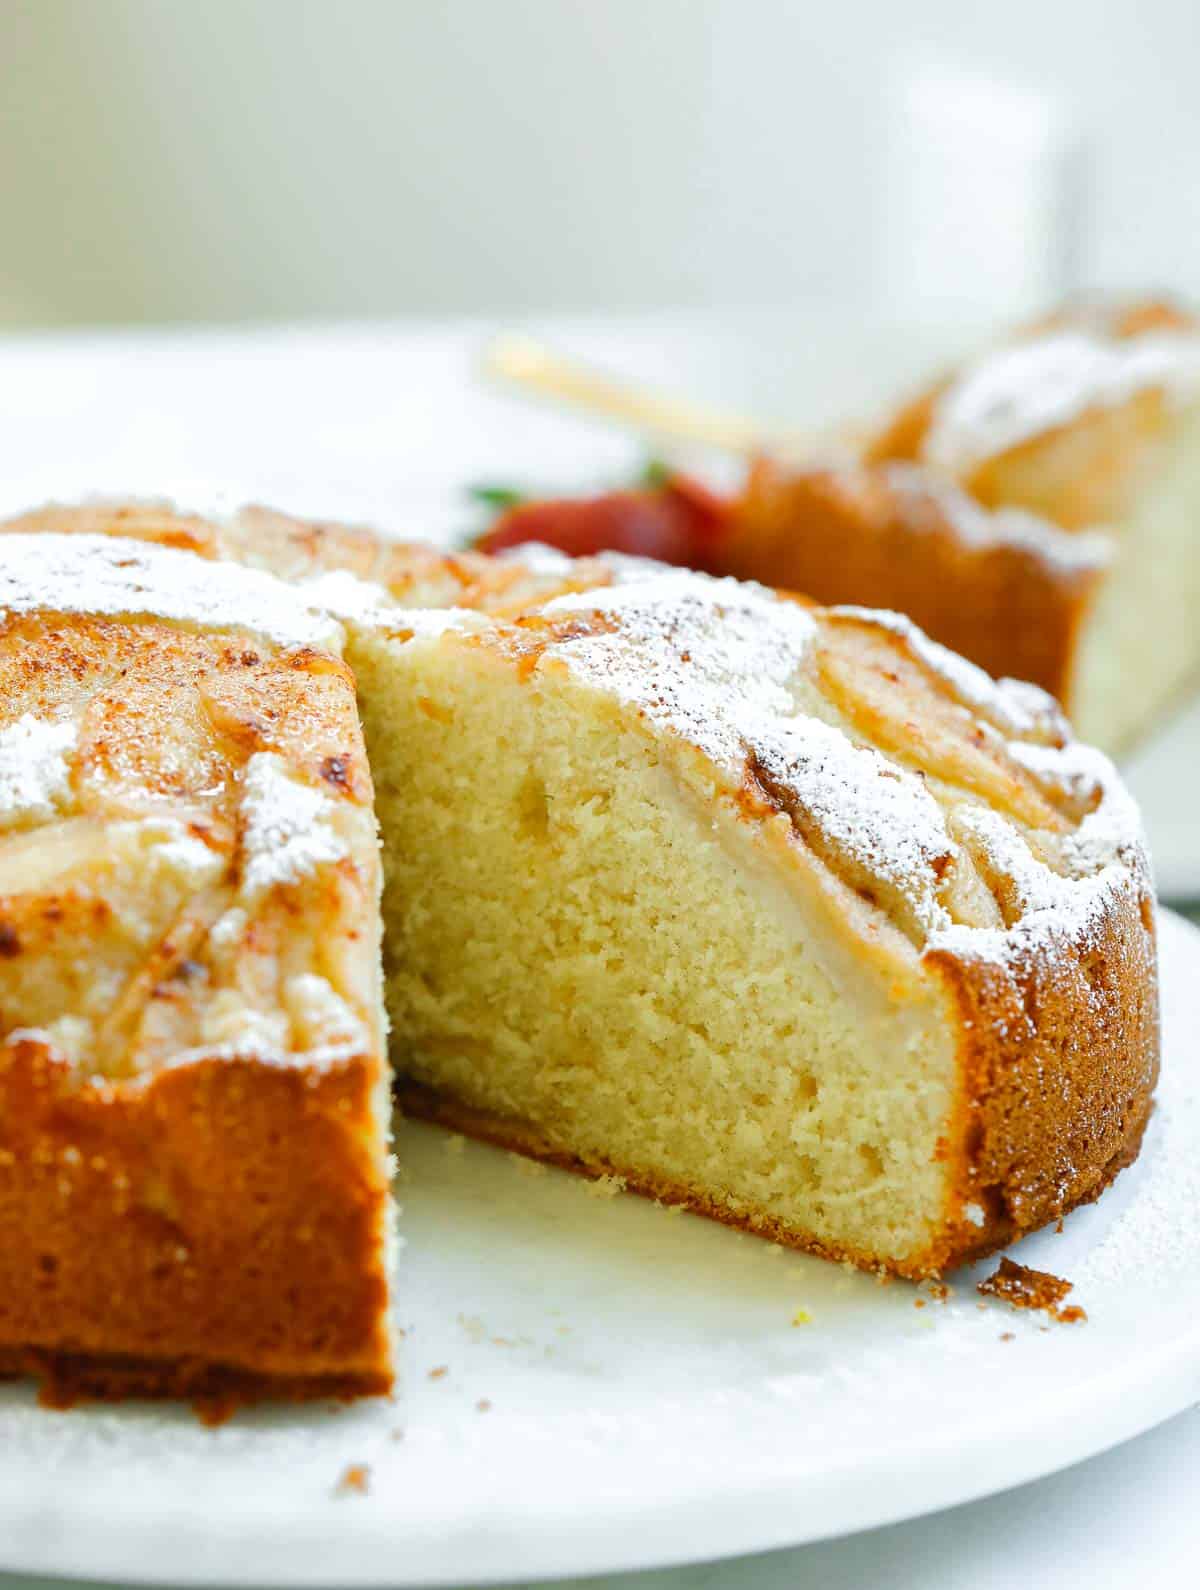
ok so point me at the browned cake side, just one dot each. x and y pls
(194, 1194)
(209, 1232)
(891, 536)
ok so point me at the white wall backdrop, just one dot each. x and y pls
(226, 159)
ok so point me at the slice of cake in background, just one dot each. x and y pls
(194, 1100)
(1014, 593)
(1092, 421)
(1038, 511)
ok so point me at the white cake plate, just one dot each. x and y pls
(592, 1383)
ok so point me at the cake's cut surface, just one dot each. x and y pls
(193, 1106)
(782, 913)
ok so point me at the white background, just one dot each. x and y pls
(162, 160)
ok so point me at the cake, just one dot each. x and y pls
(194, 1095)
(779, 913)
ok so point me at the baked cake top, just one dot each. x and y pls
(1059, 417)
(958, 807)
(103, 576)
(1049, 382)
(187, 846)
(955, 808)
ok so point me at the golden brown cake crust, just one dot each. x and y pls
(1059, 1060)
(150, 1229)
(214, 1390)
(887, 537)
(193, 1186)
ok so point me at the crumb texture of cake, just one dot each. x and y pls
(783, 912)
(193, 1090)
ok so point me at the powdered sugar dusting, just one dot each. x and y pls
(714, 661)
(34, 769)
(550, 562)
(1112, 830)
(697, 655)
(424, 622)
(112, 577)
(1051, 908)
(864, 805)
(1033, 387)
(182, 851)
(537, 558)
(721, 665)
(288, 830)
(625, 567)
(1019, 708)
(1069, 551)
(347, 597)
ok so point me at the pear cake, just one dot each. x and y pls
(780, 913)
(194, 1095)
(1037, 509)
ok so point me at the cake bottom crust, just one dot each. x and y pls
(422, 1103)
(215, 1390)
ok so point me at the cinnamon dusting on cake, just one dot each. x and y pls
(1022, 1287)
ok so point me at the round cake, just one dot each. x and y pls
(781, 913)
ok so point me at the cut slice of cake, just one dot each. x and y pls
(194, 1099)
(784, 914)
(1092, 421)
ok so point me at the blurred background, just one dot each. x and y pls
(275, 159)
